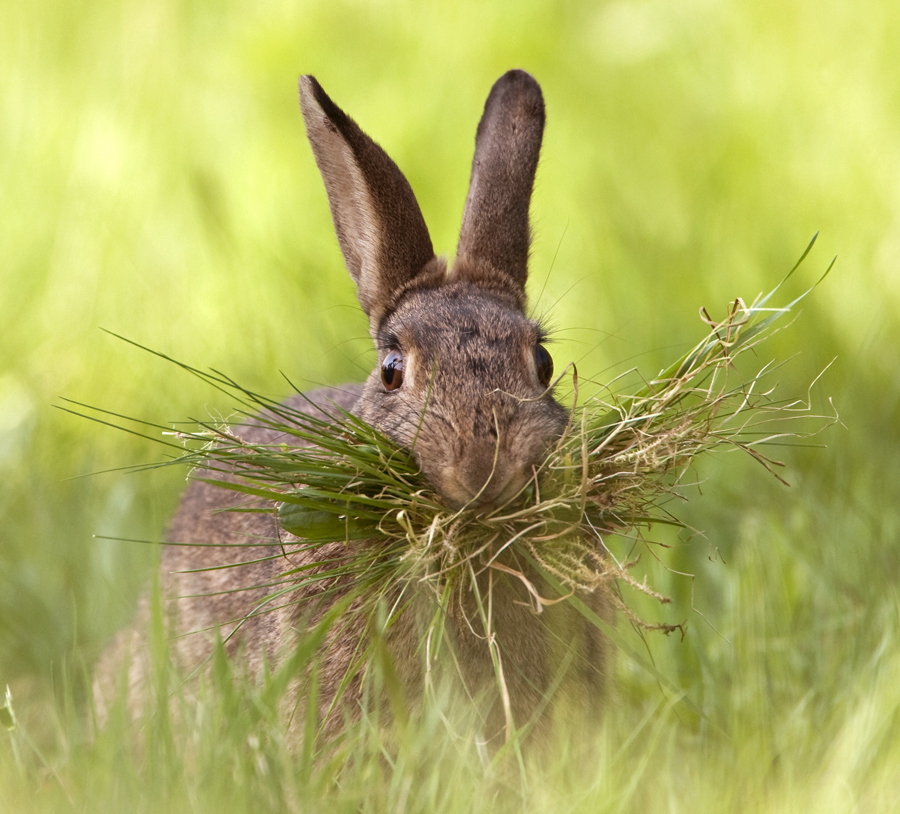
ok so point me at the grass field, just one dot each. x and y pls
(156, 182)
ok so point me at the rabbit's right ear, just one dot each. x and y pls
(379, 225)
(495, 234)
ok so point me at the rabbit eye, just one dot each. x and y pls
(392, 370)
(543, 363)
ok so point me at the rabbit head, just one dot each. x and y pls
(463, 378)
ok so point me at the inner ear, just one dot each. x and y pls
(379, 225)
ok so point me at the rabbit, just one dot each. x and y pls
(463, 371)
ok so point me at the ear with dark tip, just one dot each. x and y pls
(495, 234)
(379, 225)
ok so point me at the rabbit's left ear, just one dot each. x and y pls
(495, 234)
(379, 225)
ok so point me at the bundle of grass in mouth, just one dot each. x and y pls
(613, 472)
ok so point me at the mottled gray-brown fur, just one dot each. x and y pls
(471, 398)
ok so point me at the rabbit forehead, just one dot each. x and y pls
(457, 318)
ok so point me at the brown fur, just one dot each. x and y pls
(471, 407)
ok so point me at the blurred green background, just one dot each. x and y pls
(156, 182)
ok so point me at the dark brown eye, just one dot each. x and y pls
(392, 370)
(543, 363)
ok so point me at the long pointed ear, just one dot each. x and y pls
(379, 226)
(495, 233)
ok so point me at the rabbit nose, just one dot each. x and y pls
(497, 493)
(488, 482)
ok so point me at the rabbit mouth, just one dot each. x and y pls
(463, 492)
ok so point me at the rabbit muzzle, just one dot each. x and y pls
(483, 483)
(491, 452)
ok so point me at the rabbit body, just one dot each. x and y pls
(463, 374)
